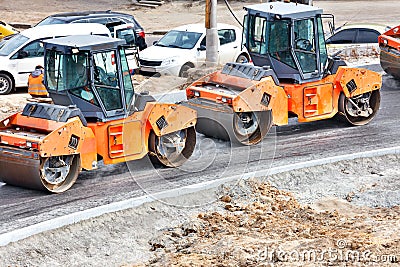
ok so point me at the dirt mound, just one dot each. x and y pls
(269, 226)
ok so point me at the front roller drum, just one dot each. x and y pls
(173, 149)
(360, 109)
(26, 169)
(246, 128)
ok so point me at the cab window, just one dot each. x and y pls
(304, 44)
(106, 80)
(257, 35)
(279, 43)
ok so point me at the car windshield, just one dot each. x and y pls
(179, 39)
(51, 20)
(12, 44)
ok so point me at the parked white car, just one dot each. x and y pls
(184, 47)
(22, 52)
(359, 39)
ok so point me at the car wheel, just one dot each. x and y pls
(6, 84)
(242, 58)
(184, 71)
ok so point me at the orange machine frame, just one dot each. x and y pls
(309, 101)
(115, 141)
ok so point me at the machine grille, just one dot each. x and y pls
(150, 63)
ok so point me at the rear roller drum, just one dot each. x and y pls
(360, 109)
(59, 173)
(172, 150)
(250, 128)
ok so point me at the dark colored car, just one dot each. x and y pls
(107, 18)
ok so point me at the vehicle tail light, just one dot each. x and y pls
(190, 93)
(142, 34)
(32, 145)
(224, 99)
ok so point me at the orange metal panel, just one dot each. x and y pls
(176, 116)
(36, 123)
(251, 100)
(318, 100)
(314, 100)
(391, 38)
(58, 142)
(364, 80)
(125, 139)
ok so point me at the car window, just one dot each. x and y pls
(367, 36)
(127, 34)
(226, 36)
(112, 23)
(12, 44)
(343, 37)
(34, 49)
(103, 21)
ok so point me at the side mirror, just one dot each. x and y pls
(22, 54)
(155, 42)
(202, 48)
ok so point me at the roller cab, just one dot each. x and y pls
(292, 76)
(95, 115)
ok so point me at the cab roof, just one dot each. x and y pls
(283, 10)
(83, 42)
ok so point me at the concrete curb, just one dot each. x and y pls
(76, 217)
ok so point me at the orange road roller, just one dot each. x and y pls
(293, 77)
(95, 115)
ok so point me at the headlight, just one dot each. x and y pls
(169, 61)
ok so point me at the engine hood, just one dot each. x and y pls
(159, 53)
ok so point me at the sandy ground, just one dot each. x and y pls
(246, 223)
(249, 223)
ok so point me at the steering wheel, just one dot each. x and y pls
(303, 44)
(100, 76)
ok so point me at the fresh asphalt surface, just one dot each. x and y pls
(212, 159)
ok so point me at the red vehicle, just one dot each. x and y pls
(389, 43)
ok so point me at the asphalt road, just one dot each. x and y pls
(212, 159)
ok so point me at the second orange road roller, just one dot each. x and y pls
(389, 44)
(95, 115)
(292, 77)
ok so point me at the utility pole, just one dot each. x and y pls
(211, 33)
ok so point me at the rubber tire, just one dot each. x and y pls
(242, 58)
(6, 84)
(69, 181)
(186, 153)
(183, 72)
